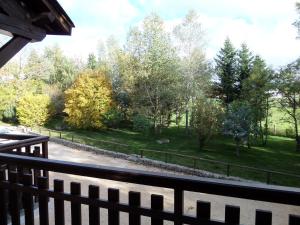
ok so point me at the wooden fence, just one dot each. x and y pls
(20, 184)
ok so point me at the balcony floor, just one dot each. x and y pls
(60, 152)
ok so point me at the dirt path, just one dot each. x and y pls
(280, 212)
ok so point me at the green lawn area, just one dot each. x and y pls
(278, 155)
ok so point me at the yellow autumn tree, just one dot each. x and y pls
(34, 109)
(88, 99)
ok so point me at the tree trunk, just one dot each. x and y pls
(187, 121)
(238, 148)
(297, 137)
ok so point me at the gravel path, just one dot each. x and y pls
(60, 152)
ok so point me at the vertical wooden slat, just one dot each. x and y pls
(232, 214)
(134, 202)
(157, 204)
(59, 208)
(27, 150)
(94, 212)
(263, 217)
(37, 172)
(3, 202)
(45, 155)
(14, 199)
(43, 201)
(28, 201)
(178, 206)
(294, 220)
(113, 213)
(203, 210)
(75, 207)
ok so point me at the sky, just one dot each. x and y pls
(264, 25)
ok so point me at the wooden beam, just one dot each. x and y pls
(21, 28)
(11, 48)
(13, 8)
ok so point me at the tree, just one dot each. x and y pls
(153, 72)
(37, 67)
(205, 119)
(63, 70)
(33, 110)
(226, 71)
(244, 67)
(88, 100)
(297, 22)
(288, 88)
(92, 61)
(257, 92)
(194, 67)
(238, 123)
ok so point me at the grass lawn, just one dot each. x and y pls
(278, 155)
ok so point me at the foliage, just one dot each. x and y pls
(226, 71)
(112, 118)
(63, 70)
(288, 86)
(206, 119)
(194, 67)
(33, 110)
(244, 67)
(153, 72)
(92, 62)
(238, 123)
(141, 123)
(257, 92)
(88, 99)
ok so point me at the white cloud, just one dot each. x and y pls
(265, 25)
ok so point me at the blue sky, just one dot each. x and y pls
(265, 25)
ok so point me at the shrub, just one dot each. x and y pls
(33, 109)
(141, 123)
(88, 100)
(205, 119)
(112, 118)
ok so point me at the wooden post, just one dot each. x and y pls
(157, 204)
(3, 202)
(75, 207)
(28, 201)
(113, 214)
(59, 208)
(232, 214)
(134, 202)
(43, 201)
(94, 211)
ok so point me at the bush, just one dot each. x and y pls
(112, 118)
(205, 119)
(141, 123)
(34, 110)
(88, 100)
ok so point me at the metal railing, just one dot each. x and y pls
(221, 167)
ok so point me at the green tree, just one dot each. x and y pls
(288, 88)
(226, 71)
(153, 72)
(194, 67)
(257, 92)
(92, 61)
(63, 71)
(244, 67)
(88, 100)
(206, 119)
(33, 110)
(238, 122)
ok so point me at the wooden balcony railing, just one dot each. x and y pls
(24, 179)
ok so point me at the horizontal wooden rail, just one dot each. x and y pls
(275, 194)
